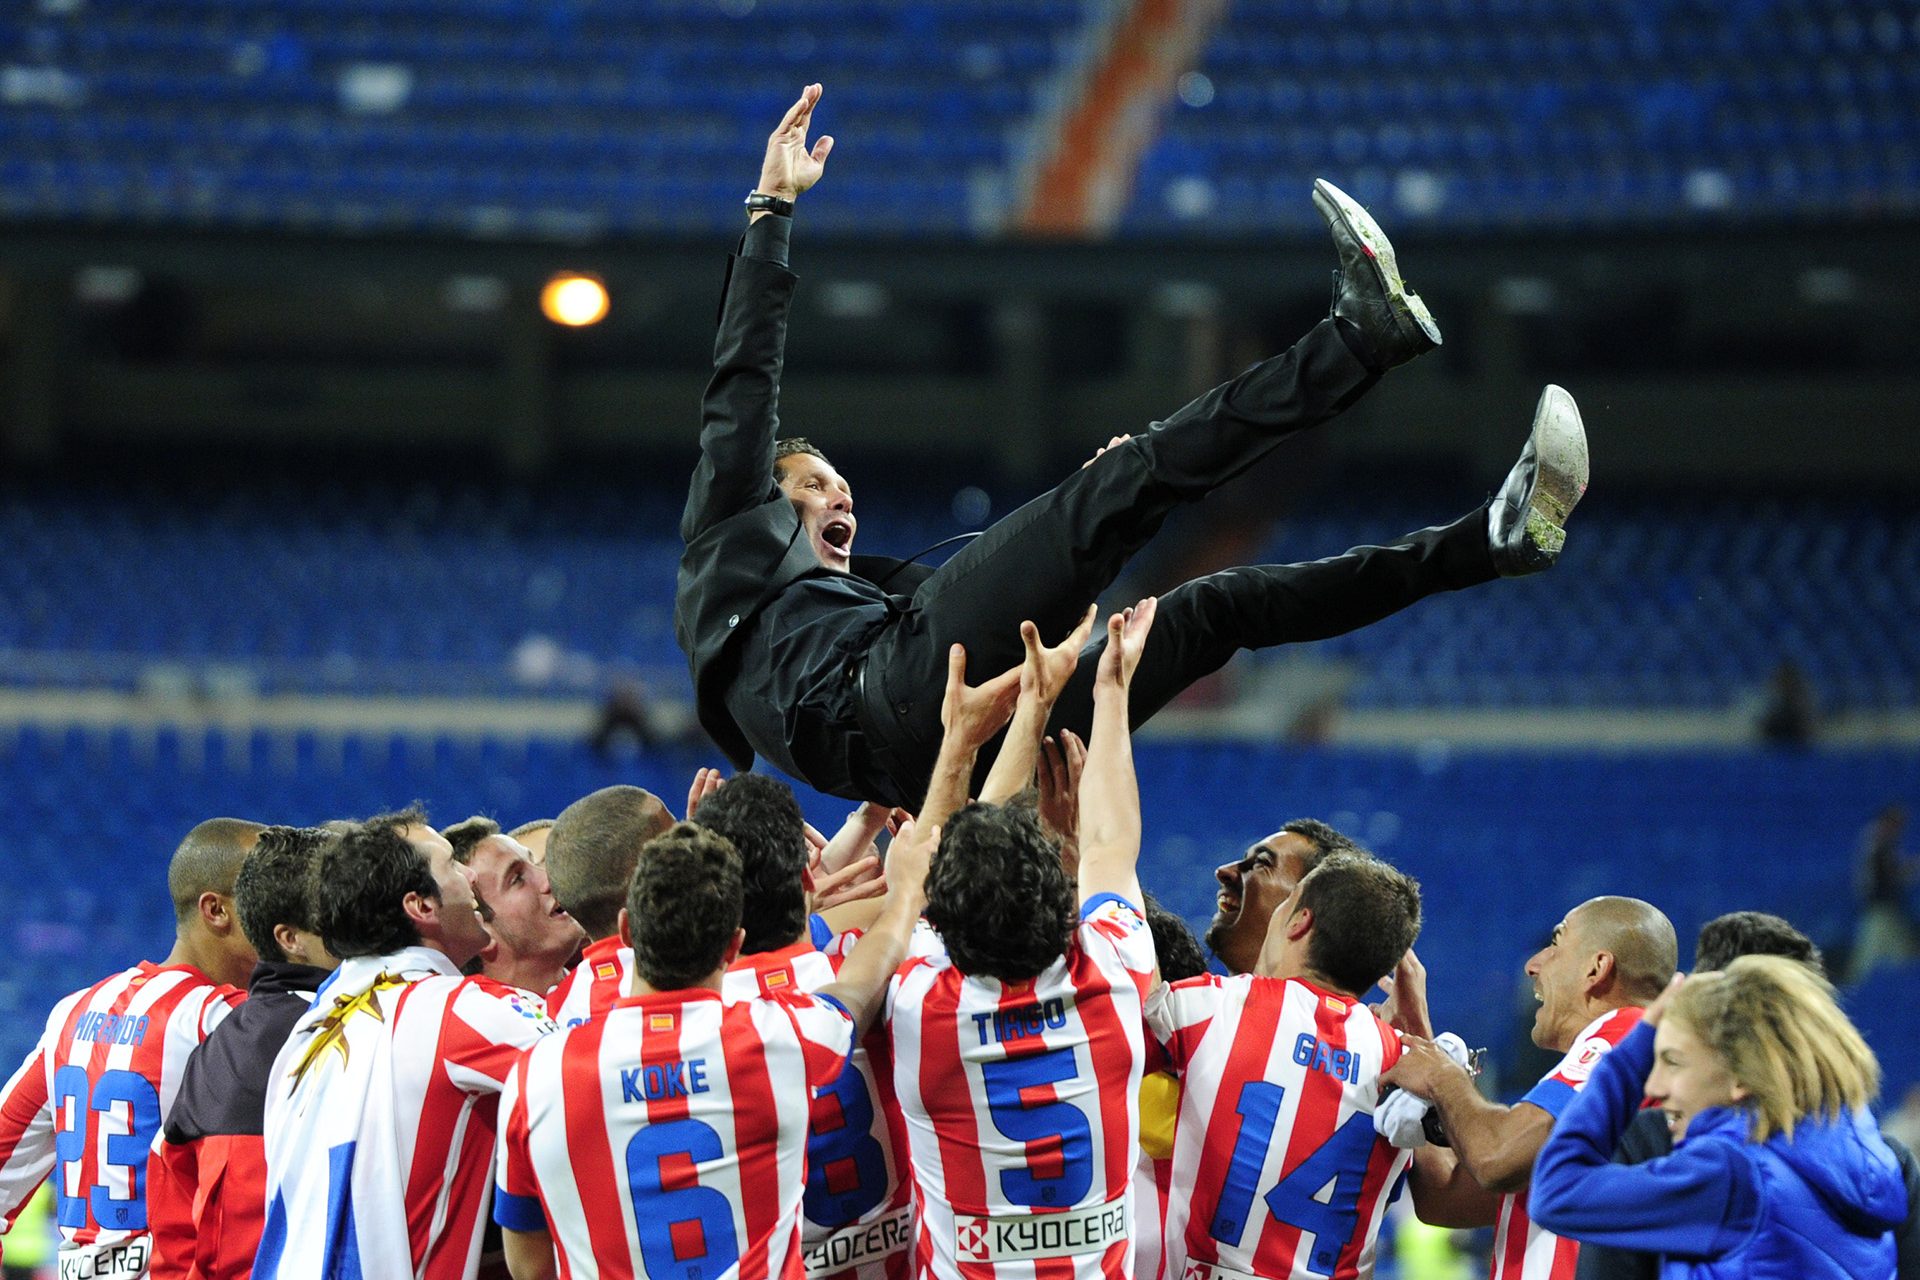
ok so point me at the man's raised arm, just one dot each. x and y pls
(740, 413)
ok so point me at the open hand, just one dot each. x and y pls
(1061, 761)
(790, 166)
(1047, 669)
(973, 714)
(1405, 1008)
(1126, 641)
(705, 783)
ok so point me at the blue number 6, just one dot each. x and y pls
(657, 1210)
(1057, 1120)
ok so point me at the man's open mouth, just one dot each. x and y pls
(837, 534)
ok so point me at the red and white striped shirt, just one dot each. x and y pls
(380, 1120)
(857, 1223)
(1021, 1103)
(1521, 1249)
(667, 1139)
(602, 977)
(1277, 1171)
(89, 1100)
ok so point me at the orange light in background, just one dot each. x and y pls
(574, 300)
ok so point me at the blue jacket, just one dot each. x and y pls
(1820, 1204)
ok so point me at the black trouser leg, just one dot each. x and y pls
(1050, 559)
(1201, 624)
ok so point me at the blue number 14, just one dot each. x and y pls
(1295, 1199)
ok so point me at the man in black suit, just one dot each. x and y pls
(833, 665)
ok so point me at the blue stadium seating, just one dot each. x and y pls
(506, 117)
(1543, 114)
(1503, 843)
(430, 589)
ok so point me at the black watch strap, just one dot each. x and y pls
(761, 202)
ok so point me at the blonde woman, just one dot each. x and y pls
(1777, 1168)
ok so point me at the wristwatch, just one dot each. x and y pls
(761, 202)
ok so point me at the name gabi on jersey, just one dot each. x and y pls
(663, 1080)
(111, 1028)
(1312, 1052)
(1018, 1237)
(1018, 1024)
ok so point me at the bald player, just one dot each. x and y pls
(591, 852)
(1608, 959)
(89, 1099)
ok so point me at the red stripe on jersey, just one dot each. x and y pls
(1106, 1040)
(751, 1087)
(1511, 1263)
(963, 1170)
(1246, 1060)
(590, 1150)
(1380, 1165)
(1316, 1115)
(23, 1105)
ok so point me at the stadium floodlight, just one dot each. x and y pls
(574, 299)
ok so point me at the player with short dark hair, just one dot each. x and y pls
(1280, 1075)
(1018, 1053)
(467, 833)
(89, 1100)
(591, 852)
(206, 1191)
(381, 1109)
(703, 1103)
(759, 816)
(1724, 939)
(1252, 886)
(533, 936)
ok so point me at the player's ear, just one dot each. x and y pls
(420, 908)
(1300, 924)
(734, 944)
(626, 932)
(1602, 970)
(216, 911)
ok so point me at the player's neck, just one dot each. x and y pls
(193, 954)
(639, 986)
(538, 974)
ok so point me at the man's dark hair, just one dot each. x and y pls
(207, 860)
(592, 849)
(1366, 915)
(1174, 945)
(683, 906)
(998, 894)
(1726, 938)
(786, 448)
(760, 818)
(360, 884)
(1324, 839)
(464, 835)
(275, 886)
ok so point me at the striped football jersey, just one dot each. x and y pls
(380, 1120)
(602, 977)
(667, 1138)
(88, 1102)
(1277, 1171)
(1021, 1104)
(1521, 1249)
(856, 1220)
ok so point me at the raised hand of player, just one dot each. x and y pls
(858, 880)
(705, 783)
(1405, 1008)
(855, 839)
(1047, 669)
(909, 857)
(1061, 760)
(790, 166)
(1126, 641)
(971, 714)
(1423, 1069)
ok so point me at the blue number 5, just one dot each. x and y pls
(657, 1210)
(126, 1150)
(1295, 1199)
(1054, 1122)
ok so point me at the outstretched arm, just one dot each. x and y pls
(1495, 1145)
(1043, 675)
(740, 414)
(861, 984)
(1109, 791)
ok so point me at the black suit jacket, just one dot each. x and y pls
(744, 541)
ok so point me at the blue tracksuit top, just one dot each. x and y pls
(1817, 1205)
